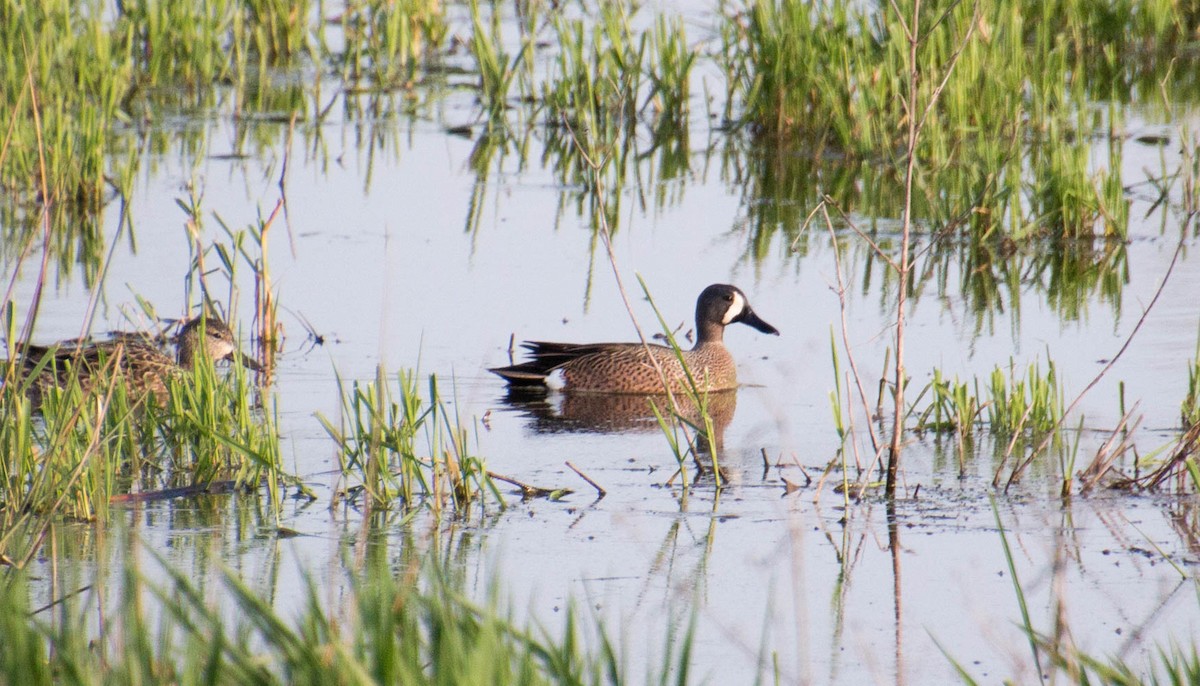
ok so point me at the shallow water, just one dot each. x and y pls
(383, 255)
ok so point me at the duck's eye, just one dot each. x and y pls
(728, 297)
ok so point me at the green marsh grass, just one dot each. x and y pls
(278, 30)
(388, 39)
(395, 446)
(498, 71)
(609, 85)
(953, 407)
(1013, 143)
(82, 448)
(86, 86)
(411, 624)
(214, 429)
(598, 72)
(1011, 404)
(77, 74)
(669, 65)
(1016, 409)
(989, 271)
(1033, 403)
(590, 101)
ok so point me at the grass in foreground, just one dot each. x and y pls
(1057, 656)
(411, 624)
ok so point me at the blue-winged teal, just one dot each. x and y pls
(138, 359)
(626, 367)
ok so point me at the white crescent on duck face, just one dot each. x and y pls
(633, 367)
(735, 308)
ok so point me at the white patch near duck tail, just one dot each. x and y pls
(555, 381)
(735, 308)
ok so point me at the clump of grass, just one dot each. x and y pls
(590, 99)
(1032, 403)
(608, 80)
(497, 70)
(278, 30)
(952, 406)
(598, 72)
(213, 429)
(55, 149)
(1013, 406)
(179, 44)
(387, 39)
(380, 448)
(669, 69)
(75, 73)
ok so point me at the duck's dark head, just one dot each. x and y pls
(720, 305)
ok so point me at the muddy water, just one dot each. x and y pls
(382, 256)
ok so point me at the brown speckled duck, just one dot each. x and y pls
(144, 366)
(627, 368)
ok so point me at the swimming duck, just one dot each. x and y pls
(627, 367)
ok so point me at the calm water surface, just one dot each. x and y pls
(381, 256)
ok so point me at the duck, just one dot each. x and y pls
(631, 368)
(144, 366)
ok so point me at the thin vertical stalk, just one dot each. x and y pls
(904, 265)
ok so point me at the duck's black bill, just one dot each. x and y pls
(750, 319)
(248, 362)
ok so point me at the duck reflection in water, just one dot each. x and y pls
(571, 412)
(610, 387)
